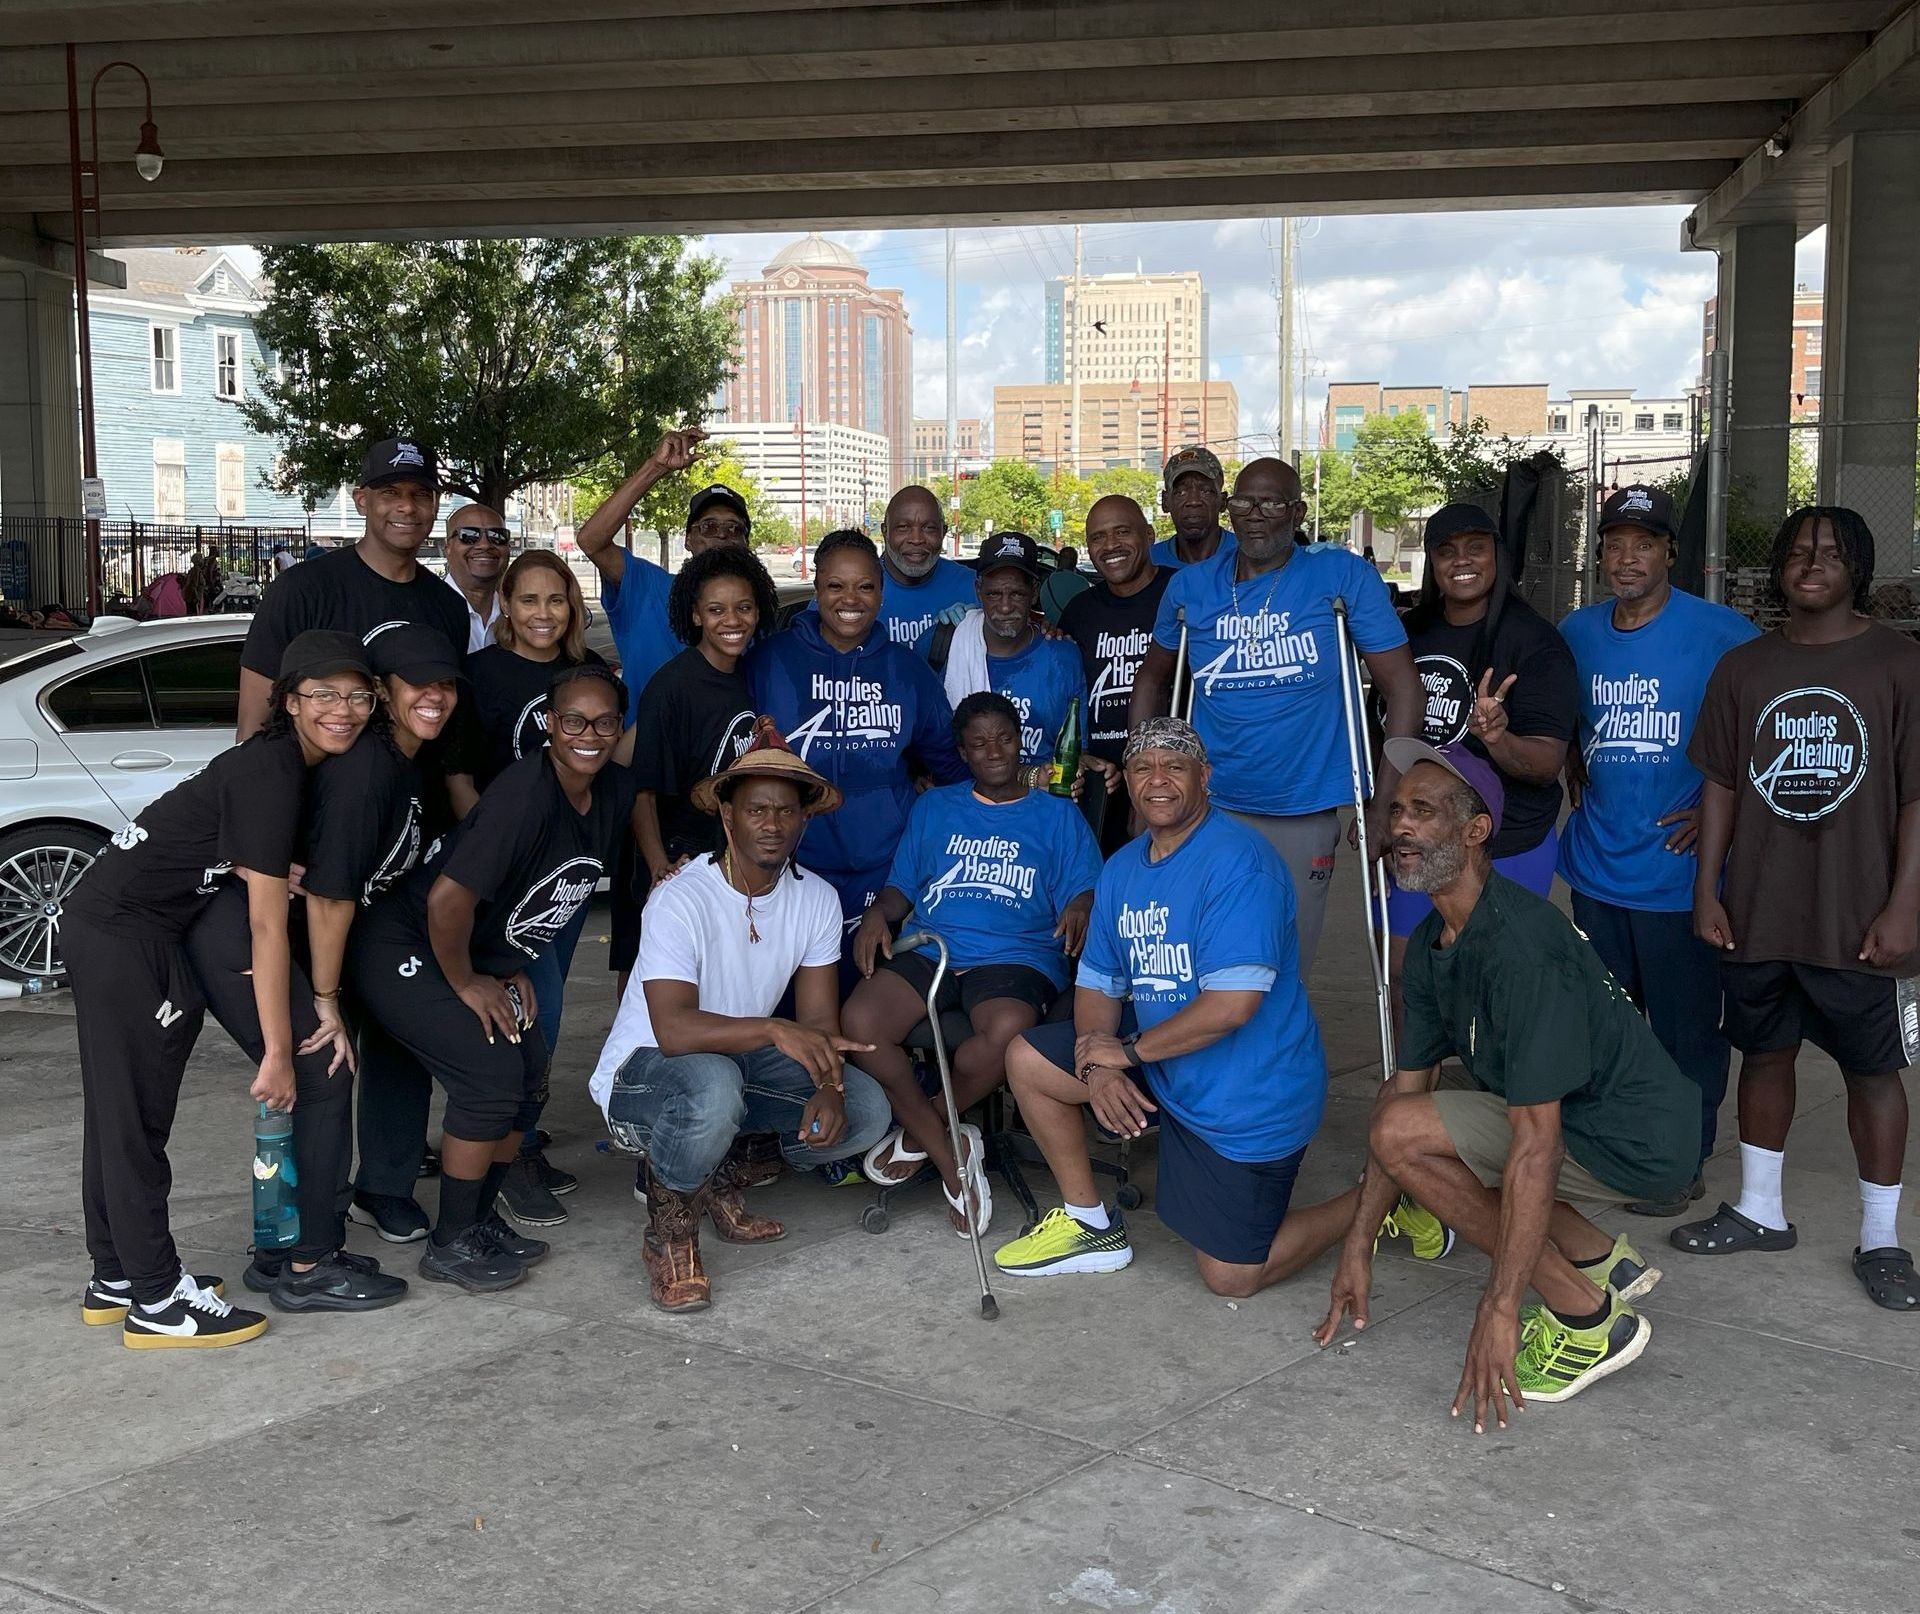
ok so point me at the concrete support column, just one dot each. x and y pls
(1753, 322)
(39, 394)
(1871, 338)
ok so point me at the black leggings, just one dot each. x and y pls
(219, 948)
(493, 1088)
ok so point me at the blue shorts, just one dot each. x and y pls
(1532, 868)
(1228, 1209)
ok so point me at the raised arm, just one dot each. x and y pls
(599, 535)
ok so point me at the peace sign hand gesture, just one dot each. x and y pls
(1488, 719)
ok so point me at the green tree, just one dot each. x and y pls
(1009, 493)
(1082, 493)
(519, 361)
(1337, 496)
(1395, 468)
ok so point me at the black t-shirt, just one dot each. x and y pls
(243, 809)
(364, 821)
(529, 857)
(503, 720)
(1114, 635)
(341, 592)
(1543, 703)
(693, 720)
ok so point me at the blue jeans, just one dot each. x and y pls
(684, 1111)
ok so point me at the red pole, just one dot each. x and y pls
(1166, 360)
(89, 465)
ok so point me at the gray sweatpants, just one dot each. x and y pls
(1306, 845)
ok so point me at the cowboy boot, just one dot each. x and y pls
(676, 1279)
(727, 1205)
(757, 1158)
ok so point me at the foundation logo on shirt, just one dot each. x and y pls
(1119, 656)
(1156, 966)
(1628, 720)
(1032, 736)
(128, 836)
(910, 630)
(854, 715)
(1258, 648)
(211, 877)
(400, 856)
(735, 740)
(373, 633)
(1809, 753)
(1449, 694)
(550, 904)
(984, 866)
(529, 733)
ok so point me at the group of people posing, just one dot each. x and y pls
(389, 874)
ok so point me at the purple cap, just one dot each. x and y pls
(1464, 764)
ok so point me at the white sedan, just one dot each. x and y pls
(92, 728)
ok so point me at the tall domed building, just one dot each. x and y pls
(817, 341)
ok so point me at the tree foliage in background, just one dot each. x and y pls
(518, 361)
(663, 508)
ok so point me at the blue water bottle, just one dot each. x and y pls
(276, 1215)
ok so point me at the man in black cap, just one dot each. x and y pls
(360, 590)
(1193, 490)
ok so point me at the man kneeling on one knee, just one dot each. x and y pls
(1194, 923)
(695, 1058)
(1569, 1098)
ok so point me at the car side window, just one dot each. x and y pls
(196, 686)
(110, 697)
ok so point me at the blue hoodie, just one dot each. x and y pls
(856, 716)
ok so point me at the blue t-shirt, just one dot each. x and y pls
(993, 877)
(909, 610)
(860, 717)
(1267, 677)
(1042, 681)
(1221, 904)
(1167, 552)
(1639, 695)
(637, 614)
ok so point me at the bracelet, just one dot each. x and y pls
(1134, 1061)
(837, 1085)
(1085, 1071)
(326, 997)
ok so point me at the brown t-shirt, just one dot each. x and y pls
(1821, 746)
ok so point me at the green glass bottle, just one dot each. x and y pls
(1065, 767)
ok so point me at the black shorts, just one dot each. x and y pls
(627, 890)
(1870, 1024)
(964, 990)
(1228, 1209)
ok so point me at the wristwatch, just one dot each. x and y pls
(1134, 1061)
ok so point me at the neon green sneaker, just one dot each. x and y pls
(1621, 1271)
(1557, 1362)
(1061, 1243)
(1431, 1238)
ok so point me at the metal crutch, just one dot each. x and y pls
(1179, 672)
(1373, 887)
(989, 1307)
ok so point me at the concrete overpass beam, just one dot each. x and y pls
(39, 397)
(1871, 341)
(1754, 323)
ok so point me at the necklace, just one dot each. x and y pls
(1233, 584)
(726, 868)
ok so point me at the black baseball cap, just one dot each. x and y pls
(1010, 549)
(719, 494)
(1639, 506)
(399, 459)
(321, 652)
(419, 654)
(1452, 520)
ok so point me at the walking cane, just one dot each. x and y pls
(1373, 872)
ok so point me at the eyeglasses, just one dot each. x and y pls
(325, 700)
(1242, 506)
(483, 535)
(726, 530)
(607, 727)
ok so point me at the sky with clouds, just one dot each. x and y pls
(1575, 298)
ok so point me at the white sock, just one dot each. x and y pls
(1095, 1217)
(1879, 1215)
(115, 1284)
(1759, 1199)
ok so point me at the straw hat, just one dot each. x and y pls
(769, 757)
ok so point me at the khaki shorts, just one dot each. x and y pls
(1477, 1125)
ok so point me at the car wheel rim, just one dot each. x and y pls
(34, 886)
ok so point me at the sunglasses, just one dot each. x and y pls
(483, 535)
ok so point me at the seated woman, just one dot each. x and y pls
(1005, 875)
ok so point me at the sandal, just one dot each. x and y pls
(1888, 1277)
(974, 1186)
(1727, 1232)
(893, 1147)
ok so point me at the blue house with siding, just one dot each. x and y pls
(173, 355)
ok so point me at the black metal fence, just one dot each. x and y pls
(43, 559)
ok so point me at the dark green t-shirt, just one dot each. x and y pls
(1526, 1005)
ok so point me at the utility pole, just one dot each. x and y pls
(953, 391)
(1284, 391)
(1073, 408)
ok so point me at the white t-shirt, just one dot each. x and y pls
(694, 928)
(479, 628)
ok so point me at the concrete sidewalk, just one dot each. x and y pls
(843, 1432)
